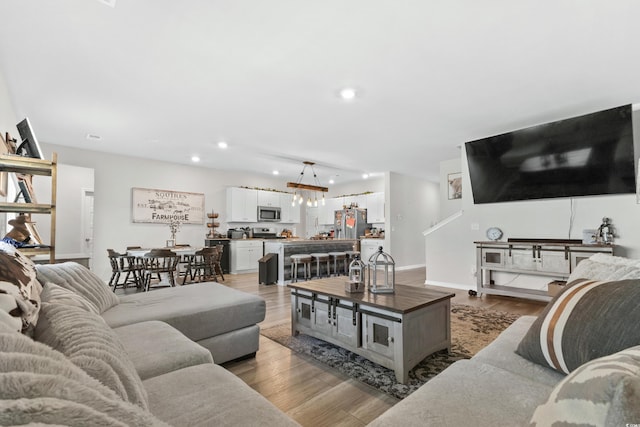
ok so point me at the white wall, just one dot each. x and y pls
(71, 181)
(450, 251)
(115, 176)
(7, 124)
(412, 205)
(448, 207)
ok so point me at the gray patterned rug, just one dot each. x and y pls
(471, 330)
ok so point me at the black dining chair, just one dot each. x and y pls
(158, 263)
(124, 264)
(201, 265)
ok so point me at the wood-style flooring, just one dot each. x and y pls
(312, 393)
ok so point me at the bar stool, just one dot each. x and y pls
(351, 255)
(296, 260)
(339, 256)
(319, 257)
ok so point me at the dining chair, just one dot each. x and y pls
(217, 260)
(159, 263)
(201, 265)
(123, 264)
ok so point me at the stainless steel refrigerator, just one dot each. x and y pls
(350, 223)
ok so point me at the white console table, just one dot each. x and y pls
(555, 258)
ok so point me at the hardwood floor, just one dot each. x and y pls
(312, 393)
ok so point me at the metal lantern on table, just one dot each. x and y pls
(382, 273)
(357, 270)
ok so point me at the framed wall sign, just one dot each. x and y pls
(454, 181)
(162, 206)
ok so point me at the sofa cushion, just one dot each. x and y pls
(606, 267)
(90, 344)
(501, 353)
(603, 392)
(19, 289)
(156, 348)
(199, 310)
(468, 393)
(587, 320)
(79, 279)
(209, 395)
(52, 293)
(39, 386)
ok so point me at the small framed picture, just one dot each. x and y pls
(454, 185)
(171, 243)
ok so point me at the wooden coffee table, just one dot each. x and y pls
(393, 330)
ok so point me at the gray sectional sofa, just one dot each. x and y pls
(141, 360)
(96, 359)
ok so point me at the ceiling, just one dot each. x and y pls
(167, 80)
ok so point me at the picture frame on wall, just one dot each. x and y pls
(454, 185)
(156, 206)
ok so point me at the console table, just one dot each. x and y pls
(555, 258)
(395, 330)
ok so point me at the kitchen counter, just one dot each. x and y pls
(284, 248)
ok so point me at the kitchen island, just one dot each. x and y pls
(285, 248)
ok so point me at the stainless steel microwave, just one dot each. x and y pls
(268, 213)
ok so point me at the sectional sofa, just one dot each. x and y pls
(73, 353)
(578, 363)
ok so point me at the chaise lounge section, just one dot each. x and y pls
(221, 319)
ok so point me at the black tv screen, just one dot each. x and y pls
(586, 155)
(28, 146)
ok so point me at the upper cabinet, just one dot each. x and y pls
(269, 198)
(375, 208)
(242, 205)
(288, 214)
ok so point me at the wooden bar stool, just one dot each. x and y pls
(336, 257)
(351, 255)
(319, 257)
(296, 261)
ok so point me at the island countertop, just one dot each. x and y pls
(284, 248)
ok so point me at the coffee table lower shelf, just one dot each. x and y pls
(381, 328)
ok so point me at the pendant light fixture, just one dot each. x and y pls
(301, 188)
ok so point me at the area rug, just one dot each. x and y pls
(471, 330)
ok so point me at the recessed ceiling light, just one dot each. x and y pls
(276, 172)
(365, 175)
(348, 93)
(93, 137)
(331, 181)
(195, 159)
(222, 144)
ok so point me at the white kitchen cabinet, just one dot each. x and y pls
(245, 255)
(369, 247)
(375, 208)
(242, 205)
(269, 198)
(288, 214)
(326, 213)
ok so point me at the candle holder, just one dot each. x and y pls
(381, 273)
(357, 270)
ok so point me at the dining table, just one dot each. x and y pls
(181, 251)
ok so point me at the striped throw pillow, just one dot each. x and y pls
(587, 320)
(603, 392)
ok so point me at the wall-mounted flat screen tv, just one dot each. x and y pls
(29, 146)
(586, 155)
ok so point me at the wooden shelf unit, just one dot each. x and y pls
(30, 166)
